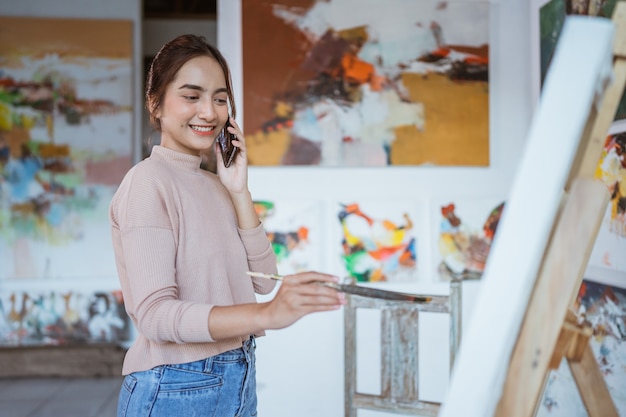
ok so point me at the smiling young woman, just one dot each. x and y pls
(195, 107)
(184, 239)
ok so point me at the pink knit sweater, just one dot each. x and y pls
(179, 252)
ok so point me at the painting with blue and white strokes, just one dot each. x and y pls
(66, 121)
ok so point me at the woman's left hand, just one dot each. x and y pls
(235, 177)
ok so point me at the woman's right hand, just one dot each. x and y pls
(298, 295)
(301, 294)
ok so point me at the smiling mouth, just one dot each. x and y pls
(202, 129)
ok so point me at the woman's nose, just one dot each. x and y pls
(207, 110)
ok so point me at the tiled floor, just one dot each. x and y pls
(59, 397)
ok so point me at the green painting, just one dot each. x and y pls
(551, 18)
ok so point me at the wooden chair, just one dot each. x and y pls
(399, 351)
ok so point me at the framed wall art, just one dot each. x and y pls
(384, 83)
(464, 232)
(66, 127)
(378, 241)
(296, 231)
(62, 317)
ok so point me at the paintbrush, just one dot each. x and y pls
(358, 290)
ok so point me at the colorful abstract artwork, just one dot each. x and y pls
(612, 170)
(294, 228)
(379, 241)
(552, 15)
(609, 251)
(58, 318)
(604, 307)
(65, 143)
(466, 231)
(384, 82)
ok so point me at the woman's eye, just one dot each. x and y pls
(221, 101)
(190, 97)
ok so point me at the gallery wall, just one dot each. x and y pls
(301, 368)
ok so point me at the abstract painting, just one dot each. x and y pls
(604, 307)
(384, 82)
(609, 252)
(465, 232)
(66, 110)
(62, 317)
(294, 228)
(378, 241)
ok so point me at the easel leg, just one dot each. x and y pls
(591, 385)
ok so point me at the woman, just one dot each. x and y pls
(184, 239)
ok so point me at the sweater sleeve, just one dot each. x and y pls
(160, 315)
(261, 257)
(145, 250)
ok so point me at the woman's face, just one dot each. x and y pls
(195, 107)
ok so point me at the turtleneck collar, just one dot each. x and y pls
(179, 159)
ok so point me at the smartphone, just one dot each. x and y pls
(225, 139)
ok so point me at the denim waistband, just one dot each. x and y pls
(248, 347)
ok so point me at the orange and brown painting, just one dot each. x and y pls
(387, 82)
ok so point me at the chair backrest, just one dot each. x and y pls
(399, 352)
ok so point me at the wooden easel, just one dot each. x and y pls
(549, 324)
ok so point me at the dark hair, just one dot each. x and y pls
(170, 58)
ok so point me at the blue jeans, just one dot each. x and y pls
(221, 386)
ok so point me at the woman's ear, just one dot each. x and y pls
(152, 109)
